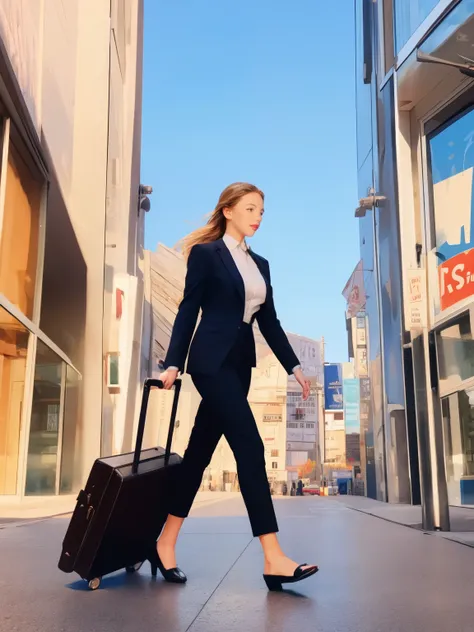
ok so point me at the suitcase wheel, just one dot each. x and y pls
(134, 568)
(95, 583)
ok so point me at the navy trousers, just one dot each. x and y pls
(224, 410)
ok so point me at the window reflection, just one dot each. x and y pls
(454, 36)
(452, 169)
(45, 423)
(409, 14)
(13, 352)
(70, 455)
(455, 354)
(458, 427)
(20, 234)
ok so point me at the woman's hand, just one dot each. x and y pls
(305, 383)
(168, 378)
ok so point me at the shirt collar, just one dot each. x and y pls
(232, 243)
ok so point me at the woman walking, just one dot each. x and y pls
(232, 286)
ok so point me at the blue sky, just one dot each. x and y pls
(260, 92)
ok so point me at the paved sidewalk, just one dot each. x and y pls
(15, 512)
(462, 518)
(375, 576)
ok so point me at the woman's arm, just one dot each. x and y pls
(273, 332)
(185, 322)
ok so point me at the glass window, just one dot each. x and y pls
(458, 427)
(13, 352)
(363, 90)
(409, 14)
(459, 22)
(452, 168)
(466, 414)
(455, 354)
(20, 234)
(70, 455)
(45, 423)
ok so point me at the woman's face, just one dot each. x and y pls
(244, 219)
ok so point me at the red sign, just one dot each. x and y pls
(456, 279)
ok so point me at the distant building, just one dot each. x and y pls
(304, 418)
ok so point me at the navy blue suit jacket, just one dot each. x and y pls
(214, 283)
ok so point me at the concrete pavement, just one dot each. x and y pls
(17, 511)
(375, 576)
(461, 518)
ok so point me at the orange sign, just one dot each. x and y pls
(456, 279)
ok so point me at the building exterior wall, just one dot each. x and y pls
(419, 306)
(60, 90)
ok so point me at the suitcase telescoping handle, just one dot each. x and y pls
(149, 384)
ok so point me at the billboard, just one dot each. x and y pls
(333, 399)
(364, 389)
(352, 405)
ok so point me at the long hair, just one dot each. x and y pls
(216, 224)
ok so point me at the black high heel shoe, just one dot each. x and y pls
(173, 575)
(274, 582)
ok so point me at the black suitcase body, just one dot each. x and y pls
(120, 513)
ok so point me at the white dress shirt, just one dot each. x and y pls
(254, 283)
(255, 286)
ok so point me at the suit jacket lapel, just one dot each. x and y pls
(229, 263)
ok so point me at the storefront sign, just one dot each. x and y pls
(364, 389)
(361, 338)
(456, 279)
(416, 299)
(272, 418)
(361, 362)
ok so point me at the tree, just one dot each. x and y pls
(305, 470)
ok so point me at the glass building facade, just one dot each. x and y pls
(415, 137)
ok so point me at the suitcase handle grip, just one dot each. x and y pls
(149, 384)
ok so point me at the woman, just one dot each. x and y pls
(232, 286)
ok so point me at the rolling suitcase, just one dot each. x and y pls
(120, 513)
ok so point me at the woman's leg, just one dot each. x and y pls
(202, 443)
(226, 396)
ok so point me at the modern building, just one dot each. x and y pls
(304, 418)
(71, 233)
(334, 427)
(415, 139)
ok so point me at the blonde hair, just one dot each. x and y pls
(215, 227)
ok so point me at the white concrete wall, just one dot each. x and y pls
(61, 52)
(87, 206)
(21, 29)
